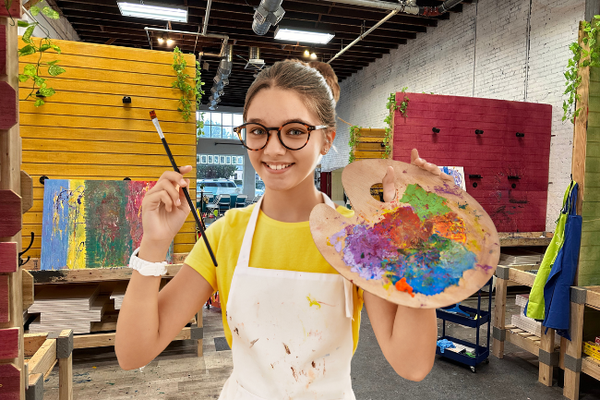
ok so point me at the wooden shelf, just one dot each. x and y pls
(514, 239)
(592, 298)
(91, 275)
(523, 339)
(590, 367)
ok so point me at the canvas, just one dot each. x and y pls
(91, 223)
(458, 173)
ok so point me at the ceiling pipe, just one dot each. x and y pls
(362, 36)
(406, 7)
(206, 16)
(268, 12)
(224, 38)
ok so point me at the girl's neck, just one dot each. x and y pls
(292, 205)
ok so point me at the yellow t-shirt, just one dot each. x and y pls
(276, 245)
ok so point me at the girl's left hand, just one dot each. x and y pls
(389, 189)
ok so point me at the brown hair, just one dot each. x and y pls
(315, 82)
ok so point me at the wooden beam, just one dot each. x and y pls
(580, 130)
(44, 358)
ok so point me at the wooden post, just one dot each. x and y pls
(64, 353)
(10, 167)
(200, 324)
(499, 318)
(580, 130)
(574, 347)
(546, 367)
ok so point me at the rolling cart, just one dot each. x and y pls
(471, 317)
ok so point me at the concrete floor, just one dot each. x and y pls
(178, 374)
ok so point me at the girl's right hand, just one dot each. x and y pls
(164, 210)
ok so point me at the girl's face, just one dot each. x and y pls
(282, 169)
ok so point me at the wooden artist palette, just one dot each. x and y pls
(431, 247)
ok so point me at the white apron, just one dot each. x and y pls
(292, 331)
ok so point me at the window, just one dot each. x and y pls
(203, 159)
(220, 124)
(221, 174)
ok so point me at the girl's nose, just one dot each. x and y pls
(274, 146)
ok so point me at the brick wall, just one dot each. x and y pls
(510, 50)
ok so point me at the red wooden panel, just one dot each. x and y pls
(10, 213)
(9, 343)
(14, 10)
(8, 257)
(495, 155)
(10, 382)
(8, 106)
(4, 310)
(2, 50)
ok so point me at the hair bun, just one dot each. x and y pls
(330, 77)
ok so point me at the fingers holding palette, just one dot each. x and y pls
(430, 247)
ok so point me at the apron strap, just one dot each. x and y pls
(348, 286)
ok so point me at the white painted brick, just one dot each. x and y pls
(489, 39)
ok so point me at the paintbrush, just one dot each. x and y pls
(185, 189)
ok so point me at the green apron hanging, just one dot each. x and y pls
(536, 305)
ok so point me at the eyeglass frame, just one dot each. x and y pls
(310, 128)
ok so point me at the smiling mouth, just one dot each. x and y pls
(277, 167)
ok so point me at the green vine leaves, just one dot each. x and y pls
(392, 105)
(33, 72)
(581, 58)
(189, 93)
(354, 136)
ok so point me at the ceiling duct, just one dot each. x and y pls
(269, 12)
(404, 6)
(255, 62)
(221, 78)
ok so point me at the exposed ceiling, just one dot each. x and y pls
(99, 21)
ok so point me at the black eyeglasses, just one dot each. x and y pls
(292, 135)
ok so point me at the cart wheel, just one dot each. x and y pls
(487, 360)
(473, 370)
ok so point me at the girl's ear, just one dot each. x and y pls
(330, 136)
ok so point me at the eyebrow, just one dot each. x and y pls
(260, 121)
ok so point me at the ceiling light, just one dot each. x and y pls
(313, 56)
(306, 53)
(297, 35)
(170, 42)
(161, 40)
(136, 10)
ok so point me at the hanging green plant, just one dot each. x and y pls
(354, 136)
(581, 58)
(39, 89)
(189, 93)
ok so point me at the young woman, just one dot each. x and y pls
(291, 320)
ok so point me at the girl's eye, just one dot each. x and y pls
(295, 132)
(257, 131)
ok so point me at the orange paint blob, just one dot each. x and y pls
(402, 286)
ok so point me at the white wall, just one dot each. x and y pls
(509, 50)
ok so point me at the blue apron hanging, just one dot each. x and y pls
(557, 290)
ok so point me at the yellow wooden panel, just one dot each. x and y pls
(92, 146)
(101, 65)
(115, 52)
(114, 136)
(105, 123)
(100, 171)
(74, 86)
(111, 112)
(103, 158)
(115, 100)
(93, 76)
(85, 131)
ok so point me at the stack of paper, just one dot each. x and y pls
(67, 307)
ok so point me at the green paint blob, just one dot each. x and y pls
(425, 204)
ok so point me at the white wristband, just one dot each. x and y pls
(147, 268)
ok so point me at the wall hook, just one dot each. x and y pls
(478, 132)
(520, 134)
(435, 130)
(126, 100)
(43, 178)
